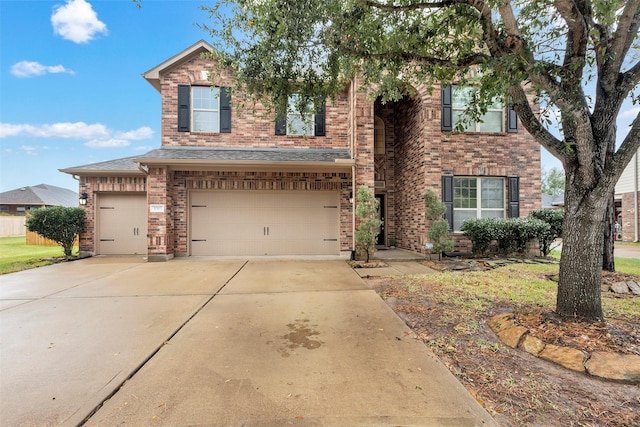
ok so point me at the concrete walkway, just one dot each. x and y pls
(110, 341)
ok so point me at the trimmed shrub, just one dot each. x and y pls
(480, 232)
(59, 224)
(553, 217)
(510, 235)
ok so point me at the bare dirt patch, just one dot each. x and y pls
(516, 388)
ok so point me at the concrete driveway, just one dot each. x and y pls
(115, 340)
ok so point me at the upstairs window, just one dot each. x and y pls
(491, 121)
(456, 99)
(204, 109)
(301, 123)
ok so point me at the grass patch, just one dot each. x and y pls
(16, 255)
(449, 311)
(623, 265)
(628, 266)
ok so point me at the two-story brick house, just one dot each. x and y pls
(236, 181)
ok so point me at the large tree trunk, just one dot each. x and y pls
(608, 262)
(581, 262)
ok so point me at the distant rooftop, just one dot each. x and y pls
(43, 194)
(551, 201)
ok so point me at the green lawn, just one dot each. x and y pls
(16, 255)
(623, 265)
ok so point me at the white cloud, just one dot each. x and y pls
(77, 21)
(96, 135)
(144, 148)
(31, 69)
(631, 113)
(78, 130)
(107, 143)
(137, 134)
(31, 150)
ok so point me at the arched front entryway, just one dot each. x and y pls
(400, 167)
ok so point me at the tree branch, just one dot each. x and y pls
(532, 123)
(576, 47)
(410, 7)
(626, 32)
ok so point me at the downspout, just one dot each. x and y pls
(635, 198)
(353, 210)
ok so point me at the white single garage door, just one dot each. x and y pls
(264, 223)
(121, 224)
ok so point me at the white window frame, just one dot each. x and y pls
(490, 212)
(296, 120)
(197, 109)
(458, 109)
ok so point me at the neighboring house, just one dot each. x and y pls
(550, 201)
(19, 201)
(628, 198)
(235, 182)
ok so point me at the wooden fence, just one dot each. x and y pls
(12, 226)
(36, 239)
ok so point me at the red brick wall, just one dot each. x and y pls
(422, 153)
(630, 217)
(160, 225)
(249, 128)
(411, 161)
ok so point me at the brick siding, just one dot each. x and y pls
(629, 217)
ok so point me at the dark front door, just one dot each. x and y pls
(380, 240)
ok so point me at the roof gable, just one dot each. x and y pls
(153, 75)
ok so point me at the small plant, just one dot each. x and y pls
(59, 224)
(369, 226)
(438, 234)
(553, 217)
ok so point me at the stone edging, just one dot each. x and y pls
(612, 366)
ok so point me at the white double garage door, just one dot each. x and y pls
(238, 223)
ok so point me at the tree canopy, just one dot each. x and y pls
(553, 182)
(578, 58)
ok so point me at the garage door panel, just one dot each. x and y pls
(121, 224)
(264, 223)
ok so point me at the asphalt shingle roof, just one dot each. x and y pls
(43, 194)
(211, 155)
(126, 164)
(248, 154)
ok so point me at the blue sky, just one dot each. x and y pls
(73, 94)
(71, 91)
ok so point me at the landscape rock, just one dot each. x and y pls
(532, 345)
(634, 287)
(501, 322)
(570, 358)
(620, 288)
(614, 366)
(512, 336)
